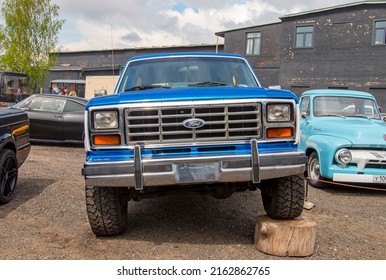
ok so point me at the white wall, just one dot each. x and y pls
(94, 83)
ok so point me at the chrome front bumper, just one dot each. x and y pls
(359, 178)
(141, 172)
(366, 166)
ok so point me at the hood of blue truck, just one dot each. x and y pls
(190, 94)
(360, 132)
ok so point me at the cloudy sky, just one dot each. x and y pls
(101, 24)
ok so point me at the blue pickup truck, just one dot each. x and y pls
(190, 122)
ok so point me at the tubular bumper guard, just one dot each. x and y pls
(141, 172)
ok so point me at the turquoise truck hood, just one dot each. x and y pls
(190, 94)
(359, 131)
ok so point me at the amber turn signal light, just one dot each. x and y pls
(107, 140)
(279, 132)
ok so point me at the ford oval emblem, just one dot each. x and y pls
(193, 123)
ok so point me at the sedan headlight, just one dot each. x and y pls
(279, 112)
(106, 119)
(343, 157)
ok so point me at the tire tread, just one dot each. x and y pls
(106, 211)
(285, 198)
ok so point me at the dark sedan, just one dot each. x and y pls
(55, 117)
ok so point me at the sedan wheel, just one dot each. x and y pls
(8, 175)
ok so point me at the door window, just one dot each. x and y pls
(48, 104)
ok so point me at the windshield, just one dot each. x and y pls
(345, 107)
(14, 87)
(186, 72)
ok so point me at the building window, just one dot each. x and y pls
(304, 36)
(253, 43)
(380, 32)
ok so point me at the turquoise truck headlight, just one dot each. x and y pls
(343, 157)
(279, 112)
(105, 119)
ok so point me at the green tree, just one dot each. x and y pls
(29, 36)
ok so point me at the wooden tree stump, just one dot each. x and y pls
(285, 237)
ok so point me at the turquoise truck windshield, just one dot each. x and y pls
(345, 107)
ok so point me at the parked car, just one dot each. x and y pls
(14, 149)
(55, 117)
(344, 137)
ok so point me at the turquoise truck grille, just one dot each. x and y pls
(161, 125)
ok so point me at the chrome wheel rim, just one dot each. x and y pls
(314, 170)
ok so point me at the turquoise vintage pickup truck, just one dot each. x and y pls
(344, 137)
(190, 122)
(14, 149)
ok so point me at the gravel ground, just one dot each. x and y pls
(47, 220)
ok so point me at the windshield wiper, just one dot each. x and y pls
(332, 115)
(143, 87)
(359, 116)
(203, 84)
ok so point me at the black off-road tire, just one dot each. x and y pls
(8, 175)
(283, 198)
(106, 210)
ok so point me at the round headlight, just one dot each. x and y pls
(343, 157)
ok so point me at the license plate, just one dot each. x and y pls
(379, 178)
(200, 172)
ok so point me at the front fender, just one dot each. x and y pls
(326, 146)
(5, 139)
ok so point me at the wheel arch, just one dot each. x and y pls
(325, 147)
(310, 150)
(9, 146)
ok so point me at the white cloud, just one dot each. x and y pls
(98, 24)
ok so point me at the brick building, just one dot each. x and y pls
(335, 47)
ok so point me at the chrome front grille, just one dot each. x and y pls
(159, 125)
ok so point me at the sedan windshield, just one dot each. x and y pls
(345, 107)
(186, 72)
